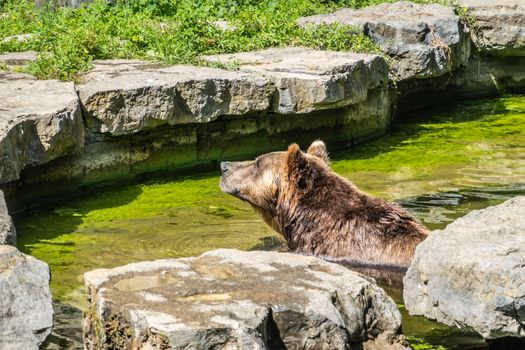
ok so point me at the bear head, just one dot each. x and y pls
(274, 177)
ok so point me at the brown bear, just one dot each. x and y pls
(321, 213)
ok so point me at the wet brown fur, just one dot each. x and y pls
(321, 213)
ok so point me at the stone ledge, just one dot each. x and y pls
(40, 120)
(228, 299)
(307, 80)
(122, 97)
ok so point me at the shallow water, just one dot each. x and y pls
(440, 167)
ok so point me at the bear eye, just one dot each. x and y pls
(257, 163)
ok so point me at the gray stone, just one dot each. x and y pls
(307, 80)
(498, 26)
(228, 299)
(39, 121)
(123, 97)
(17, 59)
(66, 3)
(471, 274)
(19, 38)
(425, 40)
(26, 313)
(7, 228)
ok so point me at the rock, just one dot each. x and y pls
(122, 96)
(19, 38)
(14, 59)
(66, 3)
(425, 40)
(26, 313)
(39, 121)
(307, 80)
(228, 299)
(7, 228)
(471, 274)
(498, 26)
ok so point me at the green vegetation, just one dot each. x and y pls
(169, 31)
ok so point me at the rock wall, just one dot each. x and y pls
(127, 119)
(141, 118)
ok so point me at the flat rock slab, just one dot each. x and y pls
(40, 120)
(26, 313)
(14, 59)
(307, 80)
(472, 273)
(426, 40)
(123, 97)
(499, 26)
(228, 299)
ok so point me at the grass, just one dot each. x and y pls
(169, 31)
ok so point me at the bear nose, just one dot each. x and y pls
(224, 167)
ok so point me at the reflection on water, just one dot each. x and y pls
(440, 167)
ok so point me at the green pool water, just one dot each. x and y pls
(440, 166)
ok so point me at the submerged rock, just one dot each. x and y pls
(7, 228)
(40, 120)
(471, 274)
(228, 299)
(498, 26)
(425, 40)
(26, 313)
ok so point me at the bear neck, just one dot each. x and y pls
(333, 218)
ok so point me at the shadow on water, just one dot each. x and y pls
(421, 123)
(68, 218)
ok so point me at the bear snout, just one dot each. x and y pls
(224, 167)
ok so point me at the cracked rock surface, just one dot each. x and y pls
(499, 26)
(124, 97)
(425, 40)
(472, 273)
(228, 299)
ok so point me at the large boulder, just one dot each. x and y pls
(228, 299)
(471, 274)
(26, 313)
(40, 120)
(424, 40)
(7, 228)
(124, 97)
(498, 26)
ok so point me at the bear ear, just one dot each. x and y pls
(298, 167)
(318, 149)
